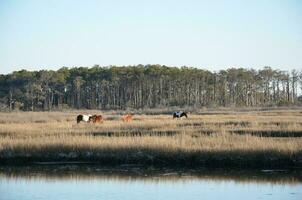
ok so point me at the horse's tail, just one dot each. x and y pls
(174, 115)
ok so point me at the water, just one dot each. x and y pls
(93, 182)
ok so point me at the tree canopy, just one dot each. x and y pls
(147, 86)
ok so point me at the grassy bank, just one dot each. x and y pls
(270, 139)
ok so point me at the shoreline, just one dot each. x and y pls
(240, 160)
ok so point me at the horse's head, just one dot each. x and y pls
(79, 118)
(186, 114)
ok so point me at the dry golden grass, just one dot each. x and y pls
(230, 138)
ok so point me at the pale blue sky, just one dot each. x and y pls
(212, 34)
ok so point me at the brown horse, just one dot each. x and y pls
(96, 119)
(127, 118)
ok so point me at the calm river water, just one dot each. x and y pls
(93, 182)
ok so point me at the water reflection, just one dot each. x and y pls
(132, 182)
(121, 173)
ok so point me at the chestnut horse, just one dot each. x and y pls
(96, 119)
(127, 118)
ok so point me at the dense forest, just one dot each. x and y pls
(148, 86)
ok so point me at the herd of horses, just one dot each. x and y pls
(126, 118)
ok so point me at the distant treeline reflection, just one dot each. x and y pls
(135, 173)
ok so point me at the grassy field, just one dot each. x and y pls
(270, 139)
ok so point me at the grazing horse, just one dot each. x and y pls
(180, 114)
(127, 118)
(84, 118)
(96, 119)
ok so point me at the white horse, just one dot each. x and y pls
(180, 114)
(84, 118)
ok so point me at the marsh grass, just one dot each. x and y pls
(234, 139)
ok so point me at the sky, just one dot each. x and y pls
(212, 35)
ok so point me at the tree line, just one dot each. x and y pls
(148, 86)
